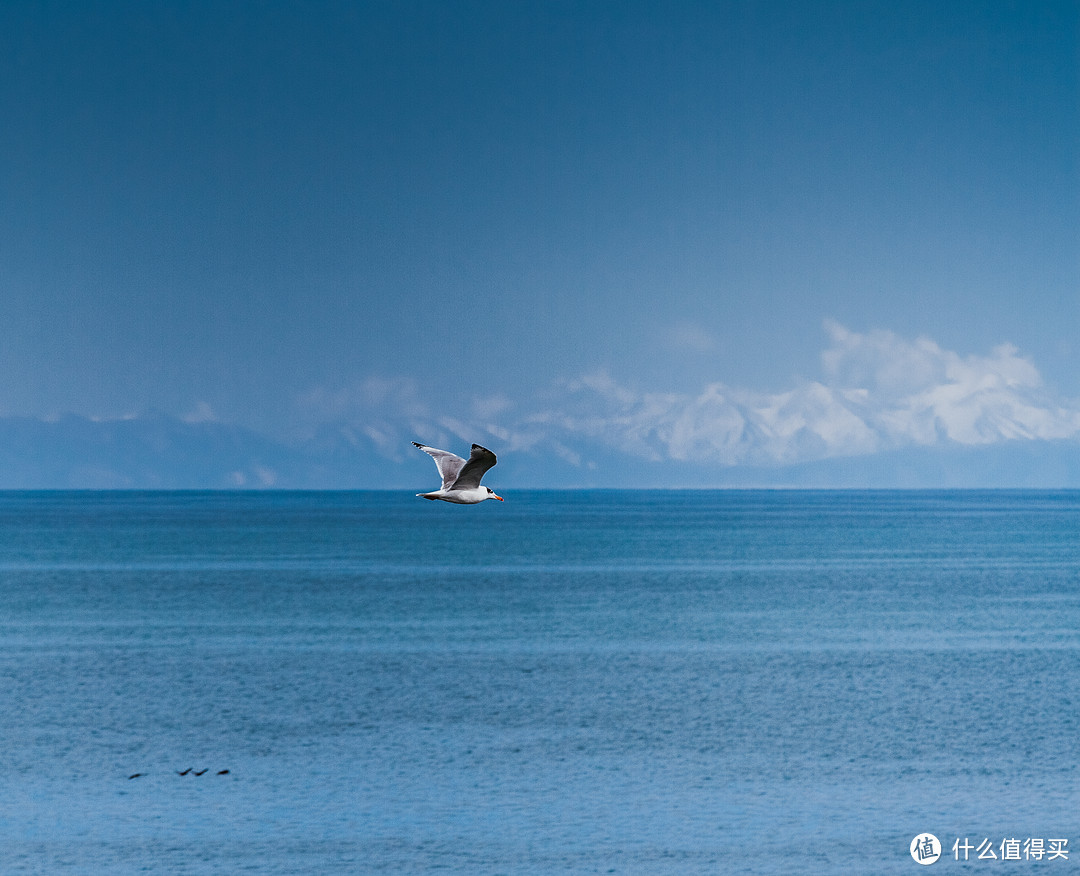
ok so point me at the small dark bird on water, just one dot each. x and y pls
(136, 776)
(223, 772)
(200, 772)
(185, 772)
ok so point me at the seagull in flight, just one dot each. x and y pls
(460, 477)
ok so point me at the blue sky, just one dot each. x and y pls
(728, 233)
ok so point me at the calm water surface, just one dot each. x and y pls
(567, 682)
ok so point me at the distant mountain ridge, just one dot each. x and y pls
(149, 452)
(157, 451)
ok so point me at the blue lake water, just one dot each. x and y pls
(567, 682)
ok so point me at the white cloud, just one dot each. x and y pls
(373, 394)
(392, 411)
(689, 336)
(918, 393)
(878, 391)
(379, 408)
(201, 413)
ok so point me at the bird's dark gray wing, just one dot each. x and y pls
(480, 460)
(449, 464)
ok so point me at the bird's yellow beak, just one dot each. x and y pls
(500, 498)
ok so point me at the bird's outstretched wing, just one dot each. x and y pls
(449, 464)
(480, 460)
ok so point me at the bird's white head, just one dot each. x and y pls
(491, 494)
